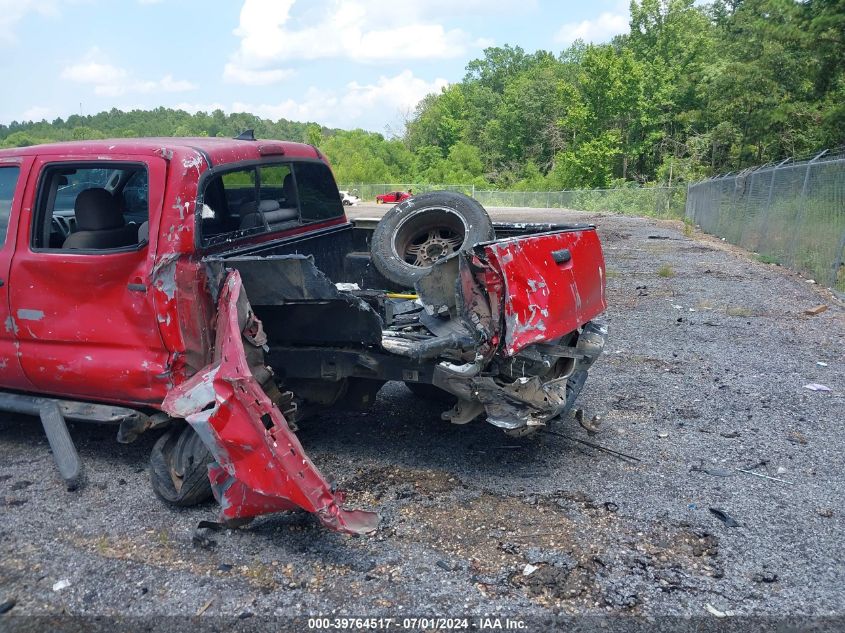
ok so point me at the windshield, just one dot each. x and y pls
(266, 198)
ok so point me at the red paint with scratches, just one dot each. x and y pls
(261, 466)
(544, 299)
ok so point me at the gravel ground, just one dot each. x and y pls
(704, 372)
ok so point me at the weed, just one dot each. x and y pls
(665, 271)
(738, 311)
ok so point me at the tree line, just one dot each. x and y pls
(690, 91)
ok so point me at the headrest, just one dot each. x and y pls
(264, 206)
(96, 210)
(281, 215)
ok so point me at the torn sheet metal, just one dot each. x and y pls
(554, 283)
(260, 465)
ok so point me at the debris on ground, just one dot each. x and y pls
(714, 471)
(7, 605)
(714, 611)
(762, 476)
(724, 517)
(64, 583)
(204, 607)
(815, 310)
(201, 537)
(593, 426)
(767, 577)
(448, 565)
(826, 513)
(814, 386)
(529, 569)
(797, 437)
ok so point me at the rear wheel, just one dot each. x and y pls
(179, 467)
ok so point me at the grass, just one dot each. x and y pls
(738, 311)
(665, 271)
(798, 229)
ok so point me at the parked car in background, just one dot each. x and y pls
(349, 198)
(393, 197)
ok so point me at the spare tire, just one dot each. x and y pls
(416, 233)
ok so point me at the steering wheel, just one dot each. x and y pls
(60, 225)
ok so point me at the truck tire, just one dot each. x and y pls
(415, 233)
(179, 467)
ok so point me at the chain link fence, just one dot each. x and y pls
(791, 213)
(663, 202)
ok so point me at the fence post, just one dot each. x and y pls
(765, 229)
(744, 220)
(837, 261)
(799, 216)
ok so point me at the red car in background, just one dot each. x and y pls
(393, 196)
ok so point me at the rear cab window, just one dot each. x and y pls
(265, 198)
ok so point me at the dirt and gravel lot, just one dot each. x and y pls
(704, 373)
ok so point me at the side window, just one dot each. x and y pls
(318, 197)
(8, 181)
(92, 207)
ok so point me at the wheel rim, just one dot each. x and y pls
(429, 235)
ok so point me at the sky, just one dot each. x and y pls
(341, 63)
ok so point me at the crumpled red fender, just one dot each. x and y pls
(260, 465)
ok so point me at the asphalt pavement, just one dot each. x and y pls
(704, 374)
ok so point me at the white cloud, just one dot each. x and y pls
(38, 113)
(237, 74)
(602, 29)
(358, 105)
(112, 81)
(91, 72)
(13, 11)
(357, 30)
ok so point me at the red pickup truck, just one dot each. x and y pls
(154, 282)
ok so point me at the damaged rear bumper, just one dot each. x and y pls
(533, 304)
(260, 466)
(524, 401)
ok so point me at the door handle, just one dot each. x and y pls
(137, 287)
(562, 256)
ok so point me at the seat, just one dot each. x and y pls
(99, 222)
(269, 212)
(289, 192)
